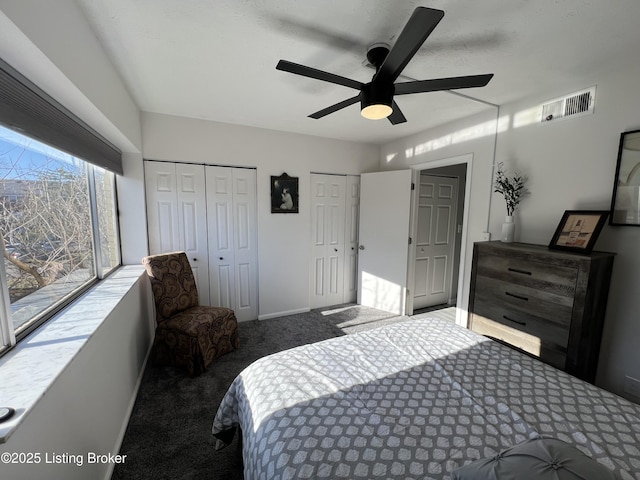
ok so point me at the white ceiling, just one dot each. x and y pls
(215, 59)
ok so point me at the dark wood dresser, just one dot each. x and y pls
(548, 303)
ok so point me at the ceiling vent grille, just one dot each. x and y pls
(572, 105)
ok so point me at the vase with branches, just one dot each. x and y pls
(513, 189)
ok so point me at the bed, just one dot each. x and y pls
(421, 398)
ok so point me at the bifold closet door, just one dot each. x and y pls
(232, 232)
(176, 208)
(351, 239)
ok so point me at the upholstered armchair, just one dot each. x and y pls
(188, 335)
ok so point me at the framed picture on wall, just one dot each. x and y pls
(578, 230)
(284, 194)
(625, 202)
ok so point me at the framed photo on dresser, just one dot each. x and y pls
(578, 230)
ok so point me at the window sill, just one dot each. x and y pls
(32, 367)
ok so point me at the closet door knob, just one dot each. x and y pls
(221, 258)
(195, 259)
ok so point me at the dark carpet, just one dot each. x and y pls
(169, 433)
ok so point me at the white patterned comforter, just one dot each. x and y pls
(416, 399)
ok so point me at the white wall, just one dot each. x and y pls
(87, 408)
(474, 136)
(52, 44)
(571, 165)
(283, 240)
(131, 210)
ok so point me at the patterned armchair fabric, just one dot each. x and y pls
(188, 335)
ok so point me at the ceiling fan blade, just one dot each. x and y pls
(304, 71)
(415, 32)
(452, 83)
(396, 116)
(336, 107)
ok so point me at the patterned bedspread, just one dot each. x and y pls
(416, 399)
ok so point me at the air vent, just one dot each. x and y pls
(572, 105)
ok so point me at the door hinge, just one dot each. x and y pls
(413, 186)
(410, 240)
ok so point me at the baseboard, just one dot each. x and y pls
(283, 314)
(127, 417)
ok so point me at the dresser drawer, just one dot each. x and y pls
(554, 279)
(547, 350)
(546, 304)
(552, 332)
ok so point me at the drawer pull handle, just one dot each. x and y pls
(517, 270)
(519, 297)
(514, 321)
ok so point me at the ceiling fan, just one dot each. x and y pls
(376, 97)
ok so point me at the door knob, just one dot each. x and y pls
(221, 258)
(361, 247)
(195, 259)
(335, 249)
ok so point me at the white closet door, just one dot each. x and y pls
(191, 212)
(175, 209)
(220, 228)
(231, 223)
(328, 239)
(245, 235)
(162, 207)
(351, 239)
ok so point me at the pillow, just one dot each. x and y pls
(538, 458)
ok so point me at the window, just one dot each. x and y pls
(58, 230)
(108, 235)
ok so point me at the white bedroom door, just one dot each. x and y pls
(231, 223)
(176, 204)
(385, 205)
(435, 240)
(328, 208)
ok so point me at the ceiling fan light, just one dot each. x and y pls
(376, 101)
(376, 112)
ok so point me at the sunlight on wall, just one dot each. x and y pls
(484, 129)
(527, 117)
(462, 316)
(382, 294)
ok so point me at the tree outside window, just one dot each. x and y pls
(46, 232)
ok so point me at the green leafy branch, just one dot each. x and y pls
(512, 188)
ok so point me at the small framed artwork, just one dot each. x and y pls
(578, 230)
(625, 202)
(284, 194)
